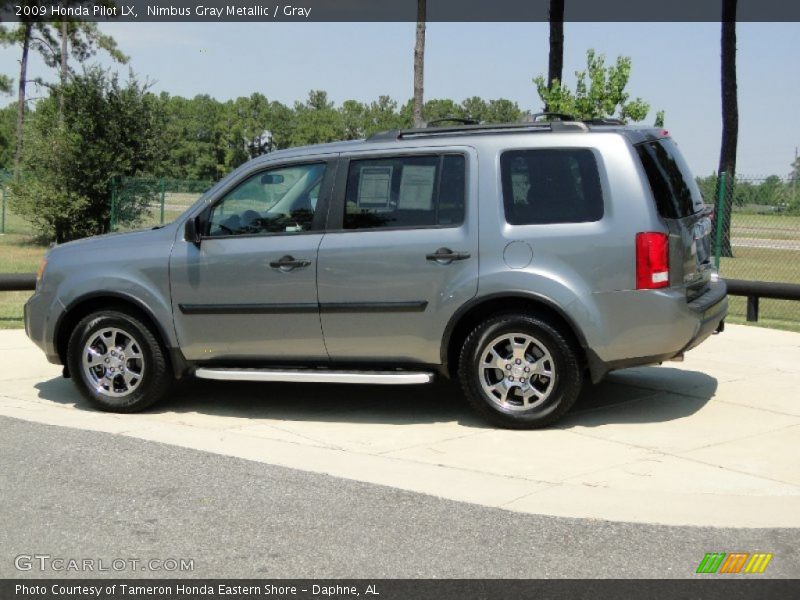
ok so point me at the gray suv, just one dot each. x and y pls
(520, 259)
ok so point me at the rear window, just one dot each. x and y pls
(551, 186)
(674, 189)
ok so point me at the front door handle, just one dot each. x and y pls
(288, 263)
(445, 256)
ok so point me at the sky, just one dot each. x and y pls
(676, 68)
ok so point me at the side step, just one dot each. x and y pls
(316, 376)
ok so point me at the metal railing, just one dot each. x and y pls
(17, 282)
(755, 290)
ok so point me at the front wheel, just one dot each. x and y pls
(117, 362)
(519, 371)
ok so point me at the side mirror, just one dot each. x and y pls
(192, 231)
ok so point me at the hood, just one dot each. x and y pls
(120, 240)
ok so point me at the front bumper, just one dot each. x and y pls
(40, 314)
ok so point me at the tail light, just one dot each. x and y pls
(652, 260)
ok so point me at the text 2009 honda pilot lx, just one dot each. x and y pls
(520, 259)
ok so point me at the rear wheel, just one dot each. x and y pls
(117, 362)
(519, 371)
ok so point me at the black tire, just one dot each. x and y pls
(567, 374)
(156, 377)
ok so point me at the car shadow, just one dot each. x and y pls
(641, 395)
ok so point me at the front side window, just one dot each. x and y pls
(551, 186)
(281, 200)
(408, 191)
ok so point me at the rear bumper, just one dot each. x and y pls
(711, 307)
(677, 326)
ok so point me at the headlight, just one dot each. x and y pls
(40, 272)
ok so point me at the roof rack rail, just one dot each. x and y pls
(483, 128)
(605, 121)
(551, 116)
(463, 121)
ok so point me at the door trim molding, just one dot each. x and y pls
(247, 309)
(326, 307)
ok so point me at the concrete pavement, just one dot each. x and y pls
(712, 441)
(68, 493)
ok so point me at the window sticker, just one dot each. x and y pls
(416, 187)
(374, 187)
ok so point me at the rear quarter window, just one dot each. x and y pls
(550, 186)
(674, 189)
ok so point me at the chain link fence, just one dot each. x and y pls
(761, 242)
(134, 202)
(138, 202)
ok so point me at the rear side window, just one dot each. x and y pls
(551, 186)
(406, 191)
(674, 189)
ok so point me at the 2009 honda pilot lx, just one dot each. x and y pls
(520, 259)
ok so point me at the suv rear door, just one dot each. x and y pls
(680, 204)
(400, 254)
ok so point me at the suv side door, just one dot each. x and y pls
(248, 290)
(400, 254)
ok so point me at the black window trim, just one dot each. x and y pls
(335, 222)
(598, 159)
(320, 218)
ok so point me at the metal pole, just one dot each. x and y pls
(3, 216)
(163, 193)
(112, 224)
(719, 216)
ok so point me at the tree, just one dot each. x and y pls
(30, 33)
(7, 136)
(316, 121)
(252, 117)
(603, 97)
(419, 63)
(555, 66)
(730, 115)
(109, 130)
(82, 40)
(34, 33)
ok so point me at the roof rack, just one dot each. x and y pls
(483, 128)
(461, 120)
(605, 121)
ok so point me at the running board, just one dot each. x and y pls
(316, 376)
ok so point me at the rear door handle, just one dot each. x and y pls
(446, 256)
(288, 263)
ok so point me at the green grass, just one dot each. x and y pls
(771, 227)
(764, 264)
(18, 254)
